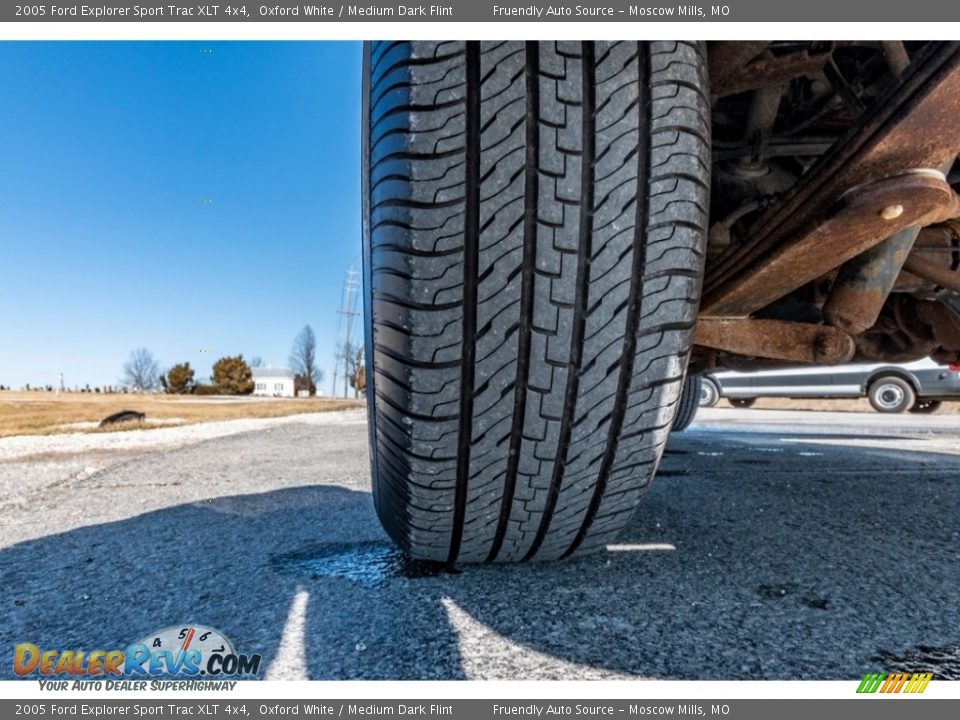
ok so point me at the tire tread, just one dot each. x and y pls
(537, 220)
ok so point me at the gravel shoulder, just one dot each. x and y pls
(31, 446)
(35, 464)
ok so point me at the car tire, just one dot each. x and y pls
(743, 403)
(535, 227)
(709, 393)
(891, 394)
(689, 403)
(924, 406)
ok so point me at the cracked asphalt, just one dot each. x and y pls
(773, 544)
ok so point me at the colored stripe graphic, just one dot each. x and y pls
(918, 683)
(870, 683)
(894, 683)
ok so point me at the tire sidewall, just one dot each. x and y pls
(367, 276)
(688, 403)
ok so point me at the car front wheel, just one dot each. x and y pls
(891, 395)
(709, 393)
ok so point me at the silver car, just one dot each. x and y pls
(919, 387)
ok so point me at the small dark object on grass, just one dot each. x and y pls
(123, 416)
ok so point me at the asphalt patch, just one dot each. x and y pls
(369, 564)
(943, 662)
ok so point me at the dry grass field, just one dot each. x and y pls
(43, 413)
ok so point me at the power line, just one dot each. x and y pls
(347, 311)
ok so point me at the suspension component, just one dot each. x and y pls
(776, 340)
(809, 233)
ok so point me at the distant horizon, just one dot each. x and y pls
(196, 199)
(119, 384)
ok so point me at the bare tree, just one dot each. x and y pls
(358, 371)
(303, 360)
(141, 372)
(255, 362)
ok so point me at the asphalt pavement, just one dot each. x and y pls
(773, 545)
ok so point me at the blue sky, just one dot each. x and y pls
(178, 196)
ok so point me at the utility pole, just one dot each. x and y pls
(346, 312)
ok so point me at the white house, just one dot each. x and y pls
(273, 382)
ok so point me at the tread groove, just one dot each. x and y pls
(528, 263)
(583, 277)
(615, 426)
(471, 260)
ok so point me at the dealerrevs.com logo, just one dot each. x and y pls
(186, 651)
